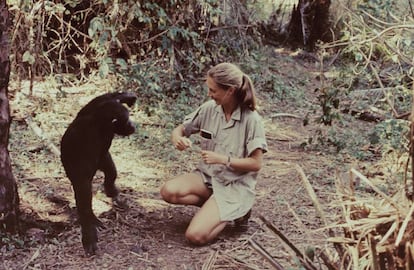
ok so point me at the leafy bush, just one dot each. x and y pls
(391, 135)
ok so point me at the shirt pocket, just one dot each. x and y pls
(207, 144)
(207, 140)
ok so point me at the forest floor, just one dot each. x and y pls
(150, 233)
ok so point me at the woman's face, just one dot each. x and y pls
(219, 95)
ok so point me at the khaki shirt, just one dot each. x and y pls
(238, 138)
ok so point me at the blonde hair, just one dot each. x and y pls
(227, 75)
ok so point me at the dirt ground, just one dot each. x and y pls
(150, 233)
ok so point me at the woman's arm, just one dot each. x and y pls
(179, 140)
(251, 163)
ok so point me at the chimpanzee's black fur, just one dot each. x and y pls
(85, 149)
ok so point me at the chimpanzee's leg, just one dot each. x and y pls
(107, 166)
(88, 221)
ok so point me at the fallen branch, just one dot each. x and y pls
(35, 255)
(38, 131)
(377, 190)
(364, 115)
(211, 261)
(327, 261)
(404, 226)
(311, 193)
(265, 254)
(275, 115)
(303, 259)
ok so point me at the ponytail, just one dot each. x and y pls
(245, 94)
(228, 75)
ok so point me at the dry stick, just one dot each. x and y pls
(306, 263)
(322, 254)
(412, 142)
(312, 194)
(411, 8)
(341, 43)
(327, 261)
(34, 257)
(317, 205)
(409, 194)
(374, 255)
(379, 82)
(377, 19)
(403, 57)
(387, 235)
(265, 254)
(404, 226)
(386, 197)
(228, 27)
(211, 261)
(409, 263)
(36, 129)
(285, 115)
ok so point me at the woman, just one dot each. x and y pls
(232, 142)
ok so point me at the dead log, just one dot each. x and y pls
(364, 115)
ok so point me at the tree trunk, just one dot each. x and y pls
(9, 199)
(309, 23)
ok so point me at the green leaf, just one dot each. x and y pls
(94, 26)
(103, 69)
(28, 57)
(122, 63)
(358, 57)
(407, 42)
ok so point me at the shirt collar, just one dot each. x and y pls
(236, 115)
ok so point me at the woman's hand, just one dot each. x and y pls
(211, 157)
(182, 143)
(179, 140)
(252, 163)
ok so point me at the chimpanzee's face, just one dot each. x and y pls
(123, 129)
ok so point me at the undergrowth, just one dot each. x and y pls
(162, 52)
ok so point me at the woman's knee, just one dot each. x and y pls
(167, 192)
(196, 237)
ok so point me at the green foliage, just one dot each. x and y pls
(160, 91)
(378, 8)
(339, 139)
(376, 35)
(329, 102)
(9, 242)
(268, 80)
(375, 78)
(77, 36)
(392, 135)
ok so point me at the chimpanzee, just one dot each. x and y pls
(85, 149)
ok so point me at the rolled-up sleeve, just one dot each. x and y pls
(256, 136)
